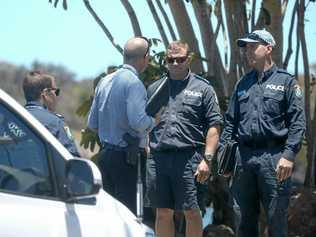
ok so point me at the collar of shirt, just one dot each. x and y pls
(34, 103)
(266, 74)
(131, 68)
(184, 79)
(269, 72)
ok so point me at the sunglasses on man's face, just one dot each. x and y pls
(179, 60)
(56, 90)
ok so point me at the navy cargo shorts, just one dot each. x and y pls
(170, 179)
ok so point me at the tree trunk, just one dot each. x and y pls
(186, 32)
(132, 16)
(166, 18)
(309, 138)
(158, 23)
(215, 69)
(274, 8)
(236, 27)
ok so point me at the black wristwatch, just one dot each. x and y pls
(208, 158)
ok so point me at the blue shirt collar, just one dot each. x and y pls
(269, 72)
(35, 103)
(130, 67)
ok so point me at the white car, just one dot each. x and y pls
(45, 191)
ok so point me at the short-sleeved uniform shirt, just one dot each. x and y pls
(192, 108)
(55, 124)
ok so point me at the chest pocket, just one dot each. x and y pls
(191, 107)
(273, 104)
(243, 101)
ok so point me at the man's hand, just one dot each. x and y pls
(203, 172)
(284, 169)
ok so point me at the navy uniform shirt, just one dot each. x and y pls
(192, 108)
(54, 123)
(270, 109)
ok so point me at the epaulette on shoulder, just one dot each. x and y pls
(59, 115)
(280, 70)
(202, 79)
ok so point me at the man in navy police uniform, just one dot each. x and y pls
(41, 93)
(182, 144)
(266, 117)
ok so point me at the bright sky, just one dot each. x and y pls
(35, 30)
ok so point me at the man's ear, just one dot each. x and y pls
(190, 58)
(269, 49)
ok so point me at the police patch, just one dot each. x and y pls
(298, 91)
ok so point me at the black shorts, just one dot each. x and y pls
(170, 179)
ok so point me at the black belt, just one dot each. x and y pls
(263, 144)
(177, 149)
(112, 147)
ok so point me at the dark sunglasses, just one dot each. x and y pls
(56, 90)
(178, 60)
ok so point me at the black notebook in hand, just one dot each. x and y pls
(158, 98)
(226, 157)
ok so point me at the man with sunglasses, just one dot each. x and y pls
(41, 94)
(266, 117)
(118, 116)
(182, 144)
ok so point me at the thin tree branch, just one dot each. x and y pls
(297, 51)
(132, 16)
(284, 8)
(102, 25)
(309, 138)
(289, 49)
(166, 18)
(218, 26)
(253, 15)
(158, 23)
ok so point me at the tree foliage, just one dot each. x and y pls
(220, 24)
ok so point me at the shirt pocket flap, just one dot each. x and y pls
(195, 101)
(244, 96)
(274, 96)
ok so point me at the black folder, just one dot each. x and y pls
(226, 158)
(158, 97)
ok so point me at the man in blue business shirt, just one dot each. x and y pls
(118, 108)
(266, 117)
(41, 94)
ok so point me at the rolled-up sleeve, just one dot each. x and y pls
(295, 120)
(230, 119)
(93, 114)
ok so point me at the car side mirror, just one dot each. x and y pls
(83, 179)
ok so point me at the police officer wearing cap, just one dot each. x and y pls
(41, 93)
(266, 117)
(182, 144)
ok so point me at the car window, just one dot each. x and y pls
(23, 158)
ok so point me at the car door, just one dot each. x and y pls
(32, 201)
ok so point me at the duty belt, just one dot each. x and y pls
(263, 144)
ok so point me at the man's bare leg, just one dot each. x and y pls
(164, 222)
(193, 220)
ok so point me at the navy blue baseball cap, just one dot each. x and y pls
(257, 36)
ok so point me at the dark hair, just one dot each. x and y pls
(34, 83)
